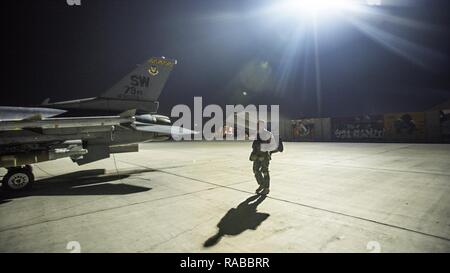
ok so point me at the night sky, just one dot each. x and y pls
(223, 49)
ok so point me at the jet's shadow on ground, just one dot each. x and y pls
(239, 219)
(87, 182)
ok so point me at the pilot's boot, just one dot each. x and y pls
(259, 189)
(265, 191)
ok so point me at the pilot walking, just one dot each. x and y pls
(262, 146)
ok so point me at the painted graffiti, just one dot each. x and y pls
(367, 127)
(303, 128)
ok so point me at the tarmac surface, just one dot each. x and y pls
(199, 197)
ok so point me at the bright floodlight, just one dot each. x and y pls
(314, 7)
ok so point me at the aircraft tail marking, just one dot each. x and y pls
(144, 83)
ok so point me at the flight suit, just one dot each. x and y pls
(261, 161)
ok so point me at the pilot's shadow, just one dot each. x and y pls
(239, 219)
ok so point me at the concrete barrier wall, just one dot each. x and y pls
(433, 127)
(429, 127)
(368, 128)
(405, 127)
(304, 130)
(314, 129)
(286, 130)
(325, 125)
(444, 124)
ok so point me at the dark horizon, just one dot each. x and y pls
(60, 52)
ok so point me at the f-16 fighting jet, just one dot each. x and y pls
(86, 130)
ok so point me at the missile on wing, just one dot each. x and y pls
(154, 119)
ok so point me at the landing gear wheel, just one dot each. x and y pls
(18, 178)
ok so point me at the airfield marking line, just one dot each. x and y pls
(231, 188)
(361, 167)
(315, 208)
(83, 203)
(372, 154)
(178, 235)
(103, 210)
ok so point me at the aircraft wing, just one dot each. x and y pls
(37, 121)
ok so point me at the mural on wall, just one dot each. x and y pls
(408, 126)
(366, 127)
(444, 117)
(303, 129)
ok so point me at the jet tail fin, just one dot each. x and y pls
(145, 83)
(139, 90)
